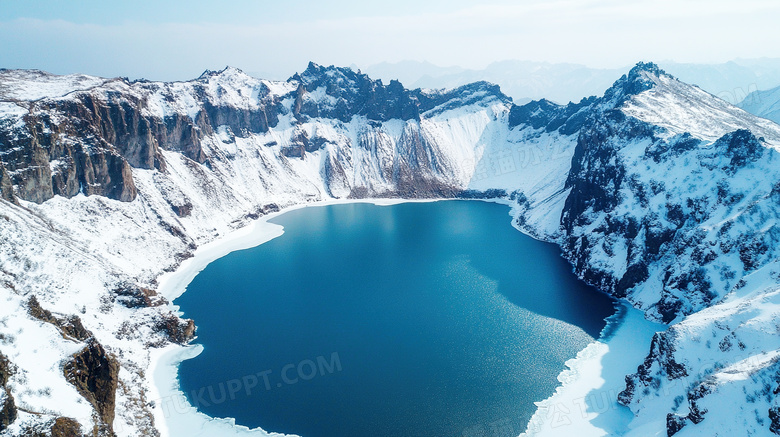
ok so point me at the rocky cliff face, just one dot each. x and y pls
(668, 218)
(95, 375)
(8, 411)
(88, 141)
(656, 191)
(142, 173)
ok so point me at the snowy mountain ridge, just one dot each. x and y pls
(765, 103)
(657, 192)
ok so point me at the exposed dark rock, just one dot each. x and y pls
(65, 427)
(263, 210)
(661, 354)
(6, 370)
(669, 150)
(90, 141)
(697, 413)
(177, 330)
(133, 296)
(596, 175)
(92, 145)
(6, 187)
(551, 116)
(8, 411)
(294, 151)
(742, 147)
(183, 210)
(596, 178)
(35, 310)
(62, 157)
(354, 94)
(436, 102)
(668, 307)
(487, 194)
(751, 250)
(27, 161)
(633, 83)
(335, 175)
(177, 132)
(774, 420)
(674, 423)
(95, 375)
(635, 274)
(241, 121)
(70, 326)
(662, 348)
(58, 427)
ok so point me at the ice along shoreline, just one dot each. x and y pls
(175, 416)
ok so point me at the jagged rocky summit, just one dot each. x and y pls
(658, 193)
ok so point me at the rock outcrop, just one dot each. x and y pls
(56, 427)
(95, 375)
(65, 427)
(8, 412)
(657, 192)
(177, 330)
(133, 296)
(88, 141)
(70, 326)
(6, 187)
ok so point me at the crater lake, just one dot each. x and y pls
(415, 319)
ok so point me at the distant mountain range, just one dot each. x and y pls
(763, 103)
(526, 80)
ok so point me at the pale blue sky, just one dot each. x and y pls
(177, 40)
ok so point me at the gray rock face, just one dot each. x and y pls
(6, 187)
(353, 94)
(650, 211)
(65, 427)
(42, 160)
(89, 141)
(8, 411)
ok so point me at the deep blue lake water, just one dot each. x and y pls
(418, 319)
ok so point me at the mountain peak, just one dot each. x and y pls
(227, 70)
(642, 77)
(316, 74)
(647, 67)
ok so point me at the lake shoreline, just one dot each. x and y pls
(172, 411)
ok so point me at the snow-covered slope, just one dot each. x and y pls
(677, 212)
(765, 103)
(30, 85)
(658, 192)
(682, 108)
(109, 186)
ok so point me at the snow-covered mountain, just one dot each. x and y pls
(562, 82)
(763, 103)
(658, 192)
(676, 211)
